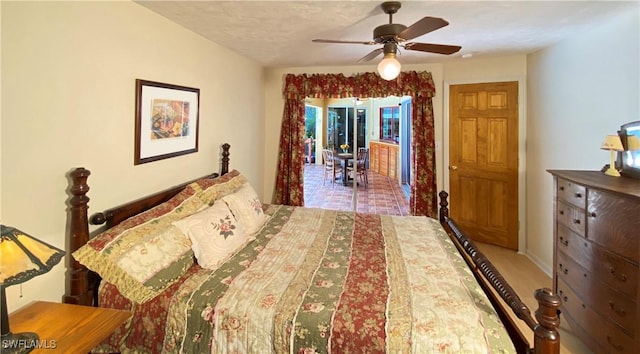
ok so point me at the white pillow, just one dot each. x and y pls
(246, 207)
(215, 235)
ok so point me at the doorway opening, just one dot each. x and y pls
(332, 121)
(405, 151)
(311, 114)
(340, 123)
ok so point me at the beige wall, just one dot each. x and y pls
(578, 91)
(68, 80)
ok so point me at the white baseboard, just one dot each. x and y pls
(542, 265)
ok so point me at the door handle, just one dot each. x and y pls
(453, 168)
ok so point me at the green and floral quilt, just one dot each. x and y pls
(322, 281)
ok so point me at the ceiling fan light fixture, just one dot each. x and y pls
(393, 35)
(389, 67)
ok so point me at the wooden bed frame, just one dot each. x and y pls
(82, 284)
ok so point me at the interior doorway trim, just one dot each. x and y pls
(522, 134)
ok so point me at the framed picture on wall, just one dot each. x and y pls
(166, 121)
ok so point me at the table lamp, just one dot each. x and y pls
(22, 257)
(613, 144)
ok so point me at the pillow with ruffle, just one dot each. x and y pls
(216, 188)
(247, 209)
(145, 254)
(215, 235)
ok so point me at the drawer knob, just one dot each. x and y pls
(561, 212)
(617, 347)
(563, 296)
(619, 312)
(563, 269)
(578, 195)
(621, 277)
(592, 214)
(576, 221)
(561, 188)
(563, 241)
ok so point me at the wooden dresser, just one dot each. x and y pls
(596, 251)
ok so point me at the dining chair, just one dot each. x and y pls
(360, 166)
(331, 166)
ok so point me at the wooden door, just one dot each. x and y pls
(483, 161)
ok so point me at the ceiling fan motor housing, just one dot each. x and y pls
(391, 7)
(388, 32)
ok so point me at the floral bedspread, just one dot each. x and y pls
(322, 281)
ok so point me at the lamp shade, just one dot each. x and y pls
(389, 67)
(612, 142)
(23, 257)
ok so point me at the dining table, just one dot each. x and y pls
(344, 158)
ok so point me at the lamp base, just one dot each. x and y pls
(612, 172)
(18, 343)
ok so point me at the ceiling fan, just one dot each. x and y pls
(393, 35)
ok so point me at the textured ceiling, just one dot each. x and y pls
(279, 33)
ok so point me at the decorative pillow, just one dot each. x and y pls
(216, 188)
(215, 235)
(247, 209)
(144, 254)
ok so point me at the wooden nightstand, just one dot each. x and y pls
(65, 328)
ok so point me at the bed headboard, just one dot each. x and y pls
(82, 284)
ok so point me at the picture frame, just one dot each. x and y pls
(166, 121)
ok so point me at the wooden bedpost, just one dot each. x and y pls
(546, 335)
(444, 206)
(225, 159)
(77, 275)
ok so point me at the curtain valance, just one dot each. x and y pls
(362, 85)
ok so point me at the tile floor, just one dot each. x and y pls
(382, 196)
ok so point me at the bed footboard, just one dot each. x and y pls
(545, 329)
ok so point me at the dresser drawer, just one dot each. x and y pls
(571, 217)
(572, 274)
(572, 193)
(614, 223)
(613, 305)
(609, 336)
(598, 296)
(603, 265)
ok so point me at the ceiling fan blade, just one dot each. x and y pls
(433, 48)
(374, 53)
(425, 25)
(338, 41)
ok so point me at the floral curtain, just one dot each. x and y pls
(418, 85)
